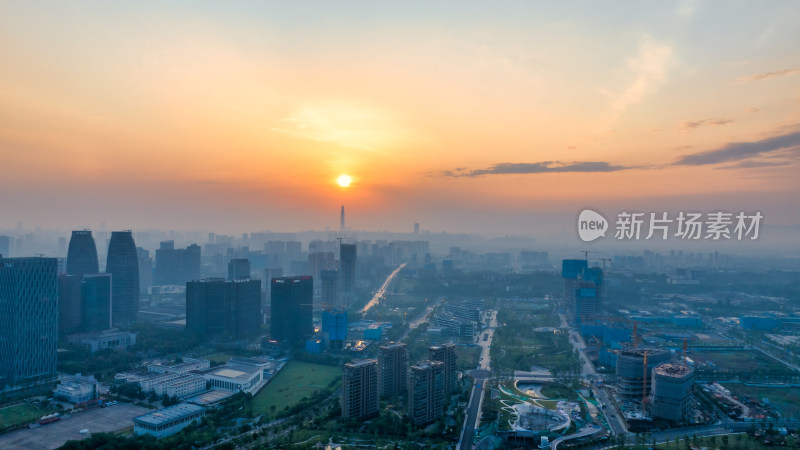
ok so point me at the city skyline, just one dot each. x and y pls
(467, 118)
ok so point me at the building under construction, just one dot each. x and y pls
(671, 392)
(634, 369)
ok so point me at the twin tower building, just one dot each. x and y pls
(36, 304)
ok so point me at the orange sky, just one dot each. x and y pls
(204, 115)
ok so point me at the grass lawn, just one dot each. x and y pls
(297, 380)
(22, 413)
(740, 361)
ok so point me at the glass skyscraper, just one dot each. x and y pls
(82, 254)
(28, 321)
(123, 264)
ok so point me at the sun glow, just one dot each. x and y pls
(344, 180)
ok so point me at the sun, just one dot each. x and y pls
(344, 180)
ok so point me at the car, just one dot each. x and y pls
(84, 431)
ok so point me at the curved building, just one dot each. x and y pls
(82, 254)
(631, 372)
(123, 265)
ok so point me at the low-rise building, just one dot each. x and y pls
(76, 389)
(168, 421)
(108, 339)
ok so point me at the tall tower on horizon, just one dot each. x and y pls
(341, 220)
(82, 254)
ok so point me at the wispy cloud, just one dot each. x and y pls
(736, 151)
(768, 75)
(649, 68)
(691, 125)
(536, 168)
(749, 164)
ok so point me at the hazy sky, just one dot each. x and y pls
(469, 116)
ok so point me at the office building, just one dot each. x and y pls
(239, 269)
(583, 289)
(82, 254)
(426, 392)
(347, 267)
(69, 303)
(123, 264)
(168, 421)
(671, 395)
(360, 389)
(76, 389)
(176, 266)
(392, 369)
(5, 246)
(28, 321)
(215, 306)
(329, 279)
(291, 306)
(446, 354)
(96, 302)
(109, 339)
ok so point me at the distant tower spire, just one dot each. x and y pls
(341, 225)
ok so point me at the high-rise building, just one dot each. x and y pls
(215, 306)
(360, 389)
(123, 264)
(191, 262)
(446, 354)
(583, 289)
(341, 220)
(416, 228)
(347, 267)
(5, 246)
(239, 269)
(69, 303)
(319, 261)
(291, 308)
(82, 254)
(330, 290)
(392, 369)
(426, 392)
(96, 302)
(28, 321)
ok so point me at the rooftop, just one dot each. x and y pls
(168, 414)
(236, 371)
(673, 370)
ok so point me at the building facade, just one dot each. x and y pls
(123, 265)
(446, 354)
(359, 399)
(168, 421)
(82, 254)
(392, 369)
(291, 308)
(426, 392)
(28, 321)
(216, 306)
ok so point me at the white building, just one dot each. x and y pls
(76, 389)
(109, 339)
(188, 365)
(236, 377)
(168, 421)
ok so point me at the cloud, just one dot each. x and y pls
(755, 164)
(538, 167)
(690, 125)
(768, 75)
(736, 151)
(649, 68)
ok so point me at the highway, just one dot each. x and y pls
(382, 291)
(588, 373)
(480, 375)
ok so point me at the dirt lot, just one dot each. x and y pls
(68, 428)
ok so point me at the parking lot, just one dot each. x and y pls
(68, 428)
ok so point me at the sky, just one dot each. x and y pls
(484, 117)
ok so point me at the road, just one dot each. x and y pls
(382, 291)
(481, 374)
(588, 373)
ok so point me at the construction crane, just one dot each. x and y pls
(585, 254)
